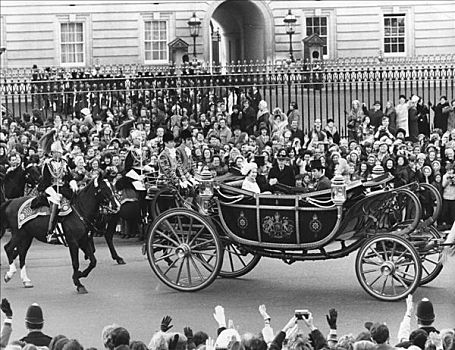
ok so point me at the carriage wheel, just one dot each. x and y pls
(184, 250)
(405, 212)
(163, 200)
(236, 262)
(436, 200)
(388, 267)
(430, 254)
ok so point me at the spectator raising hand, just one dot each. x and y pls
(166, 323)
(219, 316)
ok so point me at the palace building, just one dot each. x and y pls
(156, 32)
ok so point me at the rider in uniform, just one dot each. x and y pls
(56, 181)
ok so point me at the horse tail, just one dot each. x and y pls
(3, 217)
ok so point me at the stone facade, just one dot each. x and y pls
(84, 33)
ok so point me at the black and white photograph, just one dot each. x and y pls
(227, 174)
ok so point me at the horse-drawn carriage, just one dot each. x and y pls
(228, 230)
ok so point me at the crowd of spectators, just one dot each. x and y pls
(299, 333)
(227, 132)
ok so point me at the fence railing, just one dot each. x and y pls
(322, 90)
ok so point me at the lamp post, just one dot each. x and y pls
(216, 38)
(195, 25)
(290, 21)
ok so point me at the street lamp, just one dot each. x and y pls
(195, 25)
(290, 21)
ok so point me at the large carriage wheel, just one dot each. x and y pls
(406, 211)
(184, 250)
(163, 200)
(388, 267)
(237, 262)
(430, 253)
(435, 201)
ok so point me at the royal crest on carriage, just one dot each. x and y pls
(277, 226)
(315, 224)
(242, 221)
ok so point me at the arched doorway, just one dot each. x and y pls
(246, 30)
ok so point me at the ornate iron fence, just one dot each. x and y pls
(322, 90)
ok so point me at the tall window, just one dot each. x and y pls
(156, 41)
(318, 25)
(72, 43)
(394, 34)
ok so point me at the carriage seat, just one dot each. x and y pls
(378, 181)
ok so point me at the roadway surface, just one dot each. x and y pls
(131, 296)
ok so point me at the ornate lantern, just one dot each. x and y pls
(338, 189)
(206, 186)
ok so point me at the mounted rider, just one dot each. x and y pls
(56, 182)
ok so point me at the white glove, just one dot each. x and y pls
(73, 185)
(184, 184)
(219, 316)
(194, 181)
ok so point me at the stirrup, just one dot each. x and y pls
(51, 238)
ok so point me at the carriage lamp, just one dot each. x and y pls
(338, 189)
(206, 186)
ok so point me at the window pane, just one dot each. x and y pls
(323, 21)
(155, 56)
(148, 35)
(323, 30)
(401, 48)
(148, 55)
(148, 46)
(148, 26)
(309, 21)
(386, 48)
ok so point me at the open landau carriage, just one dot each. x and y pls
(227, 230)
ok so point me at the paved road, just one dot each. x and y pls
(131, 296)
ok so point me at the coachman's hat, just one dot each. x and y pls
(425, 310)
(34, 317)
(316, 164)
(185, 134)
(168, 137)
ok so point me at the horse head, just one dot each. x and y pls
(32, 175)
(104, 192)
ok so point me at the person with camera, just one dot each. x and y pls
(384, 130)
(448, 195)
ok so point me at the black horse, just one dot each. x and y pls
(76, 226)
(32, 176)
(131, 213)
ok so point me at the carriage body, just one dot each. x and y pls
(237, 224)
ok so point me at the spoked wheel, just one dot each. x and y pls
(388, 267)
(404, 211)
(237, 262)
(184, 250)
(430, 253)
(163, 200)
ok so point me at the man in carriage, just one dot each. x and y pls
(171, 165)
(56, 182)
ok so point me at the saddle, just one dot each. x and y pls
(28, 212)
(127, 195)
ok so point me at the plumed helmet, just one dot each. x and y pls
(34, 317)
(56, 147)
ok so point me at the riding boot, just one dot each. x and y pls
(51, 237)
